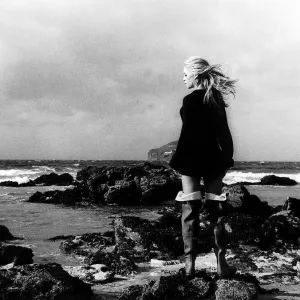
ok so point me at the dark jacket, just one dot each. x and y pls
(205, 143)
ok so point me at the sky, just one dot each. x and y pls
(102, 79)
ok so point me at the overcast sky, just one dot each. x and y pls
(97, 79)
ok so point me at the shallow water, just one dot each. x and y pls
(37, 222)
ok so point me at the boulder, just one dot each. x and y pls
(45, 180)
(54, 179)
(292, 205)
(242, 229)
(5, 235)
(17, 254)
(276, 180)
(92, 274)
(66, 197)
(44, 282)
(124, 193)
(280, 228)
(144, 183)
(140, 237)
(9, 183)
(87, 243)
(118, 262)
(203, 286)
(237, 288)
(241, 201)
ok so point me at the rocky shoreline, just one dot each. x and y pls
(263, 242)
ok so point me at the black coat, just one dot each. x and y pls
(205, 143)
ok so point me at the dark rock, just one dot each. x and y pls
(54, 179)
(139, 237)
(119, 262)
(5, 235)
(87, 243)
(136, 171)
(169, 220)
(242, 229)
(124, 193)
(45, 180)
(86, 173)
(158, 189)
(281, 227)
(61, 237)
(237, 195)
(241, 201)
(11, 253)
(178, 286)
(276, 209)
(144, 183)
(67, 197)
(293, 205)
(276, 180)
(9, 183)
(237, 288)
(44, 282)
(132, 292)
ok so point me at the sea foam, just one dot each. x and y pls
(237, 176)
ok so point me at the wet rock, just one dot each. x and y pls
(240, 200)
(61, 237)
(292, 205)
(141, 184)
(203, 286)
(92, 274)
(276, 180)
(66, 197)
(237, 288)
(9, 183)
(132, 292)
(281, 227)
(5, 235)
(54, 179)
(123, 193)
(242, 229)
(17, 254)
(44, 180)
(139, 237)
(44, 282)
(88, 243)
(119, 262)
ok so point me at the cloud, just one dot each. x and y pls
(102, 79)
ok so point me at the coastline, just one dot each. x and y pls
(144, 271)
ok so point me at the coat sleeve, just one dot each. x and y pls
(190, 121)
(223, 135)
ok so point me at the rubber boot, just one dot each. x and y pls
(190, 233)
(223, 269)
(190, 249)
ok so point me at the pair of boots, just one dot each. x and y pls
(190, 228)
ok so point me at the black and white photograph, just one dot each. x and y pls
(149, 149)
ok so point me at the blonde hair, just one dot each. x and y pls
(212, 79)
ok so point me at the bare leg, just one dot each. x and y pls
(190, 223)
(215, 186)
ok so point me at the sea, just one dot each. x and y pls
(36, 223)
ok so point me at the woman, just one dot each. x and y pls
(204, 150)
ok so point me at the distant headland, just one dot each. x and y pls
(163, 153)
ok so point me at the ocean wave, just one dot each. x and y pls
(238, 176)
(19, 179)
(16, 172)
